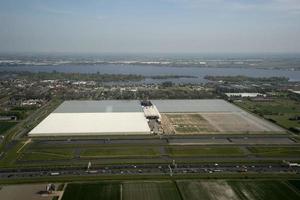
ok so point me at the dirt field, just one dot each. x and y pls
(24, 192)
(238, 122)
(203, 123)
(187, 124)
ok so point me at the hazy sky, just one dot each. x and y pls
(199, 26)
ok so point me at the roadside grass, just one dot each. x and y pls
(178, 151)
(109, 152)
(5, 126)
(50, 154)
(275, 151)
(92, 191)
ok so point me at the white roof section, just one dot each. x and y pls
(75, 124)
(199, 105)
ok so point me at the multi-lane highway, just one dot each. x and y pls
(155, 169)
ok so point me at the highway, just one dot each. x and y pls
(152, 169)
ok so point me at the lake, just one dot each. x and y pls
(153, 70)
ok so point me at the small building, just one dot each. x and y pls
(245, 95)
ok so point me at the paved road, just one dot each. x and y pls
(179, 140)
(148, 169)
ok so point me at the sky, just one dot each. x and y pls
(150, 26)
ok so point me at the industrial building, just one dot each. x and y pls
(129, 117)
(94, 118)
(194, 105)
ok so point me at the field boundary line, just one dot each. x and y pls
(25, 143)
(291, 187)
(63, 191)
(121, 191)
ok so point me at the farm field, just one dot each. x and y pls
(284, 120)
(295, 183)
(50, 154)
(165, 190)
(275, 190)
(5, 126)
(203, 151)
(120, 152)
(280, 110)
(214, 123)
(185, 190)
(239, 122)
(275, 151)
(237, 190)
(92, 191)
(189, 124)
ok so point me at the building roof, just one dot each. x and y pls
(99, 106)
(64, 124)
(199, 105)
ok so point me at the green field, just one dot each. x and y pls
(5, 126)
(284, 120)
(265, 190)
(279, 110)
(150, 191)
(49, 154)
(295, 183)
(185, 190)
(203, 151)
(237, 190)
(120, 152)
(275, 151)
(92, 191)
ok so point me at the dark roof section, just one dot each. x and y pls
(99, 106)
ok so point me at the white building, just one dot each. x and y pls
(74, 118)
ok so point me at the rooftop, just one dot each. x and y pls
(99, 106)
(199, 105)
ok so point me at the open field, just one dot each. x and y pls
(239, 122)
(276, 151)
(92, 191)
(203, 151)
(24, 192)
(190, 123)
(280, 110)
(237, 190)
(295, 183)
(208, 190)
(4, 126)
(218, 122)
(185, 190)
(120, 152)
(275, 190)
(50, 154)
(160, 190)
(190, 150)
(284, 120)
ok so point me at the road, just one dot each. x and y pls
(155, 169)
